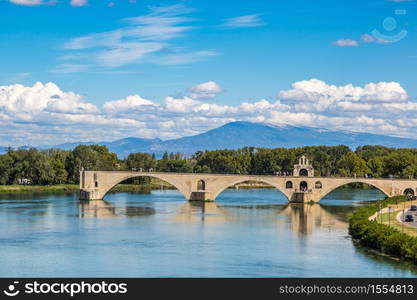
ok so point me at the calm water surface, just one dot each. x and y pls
(245, 233)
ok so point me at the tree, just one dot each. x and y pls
(376, 166)
(90, 157)
(60, 175)
(352, 165)
(264, 162)
(397, 161)
(6, 165)
(139, 161)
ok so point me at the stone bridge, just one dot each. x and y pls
(206, 187)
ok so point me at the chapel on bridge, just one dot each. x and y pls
(303, 168)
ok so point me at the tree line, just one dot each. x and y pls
(54, 166)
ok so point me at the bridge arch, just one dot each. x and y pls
(409, 192)
(303, 185)
(223, 187)
(118, 179)
(201, 185)
(327, 191)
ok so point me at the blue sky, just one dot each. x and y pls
(211, 57)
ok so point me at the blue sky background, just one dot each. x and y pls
(273, 45)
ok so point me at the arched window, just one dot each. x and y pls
(303, 186)
(409, 192)
(201, 185)
(288, 185)
(318, 185)
(303, 172)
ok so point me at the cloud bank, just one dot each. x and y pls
(43, 114)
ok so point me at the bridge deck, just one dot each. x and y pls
(255, 175)
(207, 186)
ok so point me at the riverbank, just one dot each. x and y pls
(380, 234)
(138, 188)
(144, 188)
(39, 188)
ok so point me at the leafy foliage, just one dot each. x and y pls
(56, 166)
(379, 236)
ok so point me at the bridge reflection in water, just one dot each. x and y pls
(200, 211)
(302, 218)
(104, 209)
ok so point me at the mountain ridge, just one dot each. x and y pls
(241, 134)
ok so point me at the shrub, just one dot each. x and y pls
(381, 237)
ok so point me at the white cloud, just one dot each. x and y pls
(78, 2)
(131, 103)
(27, 2)
(44, 114)
(205, 90)
(253, 20)
(126, 53)
(69, 68)
(319, 92)
(367, 38)
(345, 43)
(33, 2)
(147, 38)
(184, 58)
(178, 106)
(20, 103)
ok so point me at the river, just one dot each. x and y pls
(245, 233)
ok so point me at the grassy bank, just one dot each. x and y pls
(39, 188)
(155, 184)
(134, 188)
(390, 219)
(379, 236)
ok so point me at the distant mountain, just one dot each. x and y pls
(241, 134)
(122, 147)
(3, 150)
(125, 146)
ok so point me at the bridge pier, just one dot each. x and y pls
(90, 194)
(201, 196)
(302, 197)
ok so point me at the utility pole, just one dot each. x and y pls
(402, 223)
(389, 216)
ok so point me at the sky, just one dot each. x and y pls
(99, 70)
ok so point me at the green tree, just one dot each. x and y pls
(376, 166)
(60, 174)
(396, 162)
(90, 157)
(6, 169)
(139, 161)
(352, 165)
